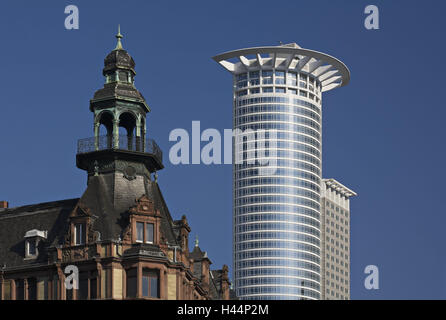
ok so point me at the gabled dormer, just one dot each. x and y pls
(80, 227)
(144, 223)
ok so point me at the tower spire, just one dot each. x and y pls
(119, 37)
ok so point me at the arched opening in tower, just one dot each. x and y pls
(106, 123)
(127, 121)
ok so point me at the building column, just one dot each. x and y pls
(25, 289)
(162, 284)
(96, 135)
(99, 280)
(138, 135)
(139, 282)
(13, 290)
(60, 284)
(2, 287)
(116, 134)
(143, 135)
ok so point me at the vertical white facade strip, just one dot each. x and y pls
(335, 217)
(277, 213)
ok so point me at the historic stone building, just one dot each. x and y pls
(120, 234)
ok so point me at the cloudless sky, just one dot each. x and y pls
(383, 134)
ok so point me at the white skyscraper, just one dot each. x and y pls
(277, 216)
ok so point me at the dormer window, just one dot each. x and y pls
(31, 247)
(144, 222)
(80, 230)
(32, 240)
(140, 232)
(149, 232)
(79, 234)
(144, 232)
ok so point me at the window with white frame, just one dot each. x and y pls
(149, 232)
(31, 247)
(79, 234)
(140, 232)
(144, 232)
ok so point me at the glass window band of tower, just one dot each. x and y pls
(294, 83)
(286, 232)
(287, 115)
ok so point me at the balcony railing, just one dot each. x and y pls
(124, 142)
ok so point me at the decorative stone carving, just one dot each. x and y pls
(130, 173)
(127, 234)
(144, 206)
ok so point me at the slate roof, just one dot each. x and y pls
(116, 90)
(15, 222)
(115, 60)
(100, 198)
(110, 222)
(197, 254)
(118, 58)
(109, 197)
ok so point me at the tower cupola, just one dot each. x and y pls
(120, 111)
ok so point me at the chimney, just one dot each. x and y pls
(4, 205)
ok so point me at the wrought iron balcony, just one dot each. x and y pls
(123, 143)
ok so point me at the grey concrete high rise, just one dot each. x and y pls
(277, 215)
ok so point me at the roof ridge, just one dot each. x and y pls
(11, 210)
(160, 194)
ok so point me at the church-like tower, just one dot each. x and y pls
(121, 110)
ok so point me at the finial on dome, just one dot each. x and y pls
(119, 37)
(196, 241)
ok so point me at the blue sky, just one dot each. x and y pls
(383, 133)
